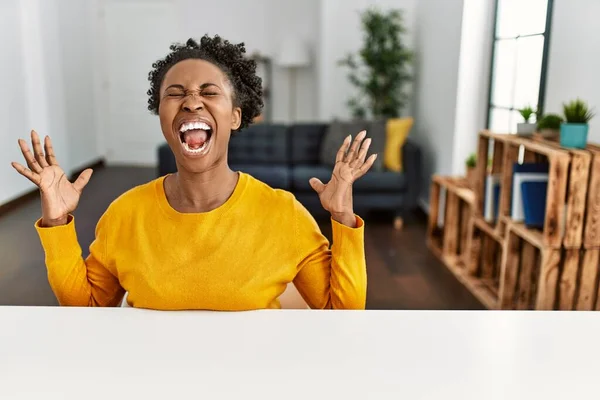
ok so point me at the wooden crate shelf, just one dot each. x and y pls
(505, 264)
(450, 239)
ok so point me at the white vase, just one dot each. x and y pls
(526, 128)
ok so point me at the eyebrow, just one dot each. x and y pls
(178, 86)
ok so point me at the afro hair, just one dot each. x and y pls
(230, 58)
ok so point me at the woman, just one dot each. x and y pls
(205, 237)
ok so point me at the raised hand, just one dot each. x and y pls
(350, 165)
(59, 196)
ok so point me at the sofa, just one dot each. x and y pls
(287, 156)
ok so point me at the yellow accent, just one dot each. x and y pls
(240, 256)
(397, 130)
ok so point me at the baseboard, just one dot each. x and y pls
(34, 193)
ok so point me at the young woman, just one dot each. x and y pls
(205, 237)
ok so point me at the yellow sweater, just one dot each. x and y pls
(240, 256)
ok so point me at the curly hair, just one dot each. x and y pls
(230, 58)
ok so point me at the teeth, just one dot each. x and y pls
(194, 125)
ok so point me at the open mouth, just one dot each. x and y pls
(195, 137)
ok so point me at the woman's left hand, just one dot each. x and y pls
(336, 195)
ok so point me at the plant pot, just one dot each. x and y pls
(550, 133)
(526, 128)
(573, 136)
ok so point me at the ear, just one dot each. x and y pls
(236, 118)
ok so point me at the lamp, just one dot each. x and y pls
(293, 55)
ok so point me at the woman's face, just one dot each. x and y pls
(197, 114)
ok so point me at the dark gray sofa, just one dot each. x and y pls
(287, 156)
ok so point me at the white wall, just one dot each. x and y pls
(437, 44)
(574, 61)
(14, 115)
(131, 133)
(77, 47)
(473, 79)
(341, 33)
(50, 73)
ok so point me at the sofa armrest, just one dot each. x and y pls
(413, 171)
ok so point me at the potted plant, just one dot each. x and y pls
(526, 128)
(470, 164)
(380, 70)
(549, 126)
(574, 131)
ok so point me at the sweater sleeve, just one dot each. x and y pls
(74, 280)
(330, 277)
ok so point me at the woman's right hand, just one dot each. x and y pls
(59, 196)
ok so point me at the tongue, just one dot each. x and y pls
(195, 138)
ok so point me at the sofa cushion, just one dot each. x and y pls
(260, 144)
(306, 142)
(385, 181)
(276, 176)
(339, 130)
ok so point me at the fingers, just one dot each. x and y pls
(37, 149)
(82, 180)
(317, 185)
(343, 149)
(351, 156)
(50, 158)
(366, 166)
(362, 154)
(27, 173)
(32, 163)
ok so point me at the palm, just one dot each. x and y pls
(59, 196)
(62, 196)
(336, 195)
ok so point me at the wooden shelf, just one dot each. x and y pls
(506, 264)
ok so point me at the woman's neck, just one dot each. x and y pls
(200, 192)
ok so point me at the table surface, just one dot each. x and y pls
(80, 353)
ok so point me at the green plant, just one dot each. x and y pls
(526, 113)
(380, 68)
(471, 161)
(577, 112)
(550, 121)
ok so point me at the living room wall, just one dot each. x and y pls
(574, 62)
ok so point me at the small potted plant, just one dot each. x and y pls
(526, 128)
(470, 164)
(549, 126)
(574, 131)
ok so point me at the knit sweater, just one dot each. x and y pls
(239, 256)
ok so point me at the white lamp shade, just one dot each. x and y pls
(293, 52)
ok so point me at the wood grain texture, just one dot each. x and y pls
(434, 208)
(480, 173)
(576, 199)
(509, 271)
(548, 279)
(568, 279)
(555, 200)
(528, 263)
(488, 256)
(451, 224)
(588, 284)
(591, 236)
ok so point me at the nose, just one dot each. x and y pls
(193, 103)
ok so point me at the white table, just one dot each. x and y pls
(78, 353)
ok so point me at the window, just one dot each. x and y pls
(519, 58)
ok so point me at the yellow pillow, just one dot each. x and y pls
(397, 130)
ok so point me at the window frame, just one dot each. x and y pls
(544, 68)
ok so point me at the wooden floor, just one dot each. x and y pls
(402, 273)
